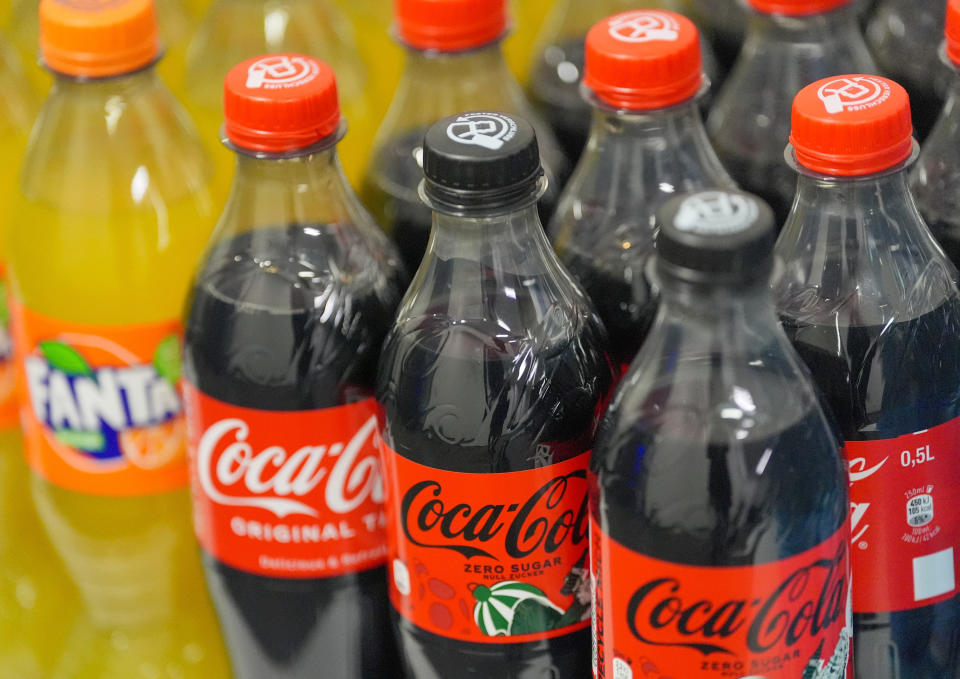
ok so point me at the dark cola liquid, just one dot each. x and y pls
(390, 193)
(883, 382)
(624, 301)
(255, 339)
(470, 396)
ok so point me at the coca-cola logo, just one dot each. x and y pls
(553, 515)
(804, 604)
(858, 510)
(282, 482)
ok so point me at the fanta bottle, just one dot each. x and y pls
(174, 29)
(528, 17)
(235, 30)
(113, 214)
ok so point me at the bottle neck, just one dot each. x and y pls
(496, 241)
(126, 84)
(447, 64)
(718, 310)
(813, 28)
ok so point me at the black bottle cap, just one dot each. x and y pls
(718, 236)
(481, 161)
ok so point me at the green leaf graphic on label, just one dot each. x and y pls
(65, 358)
(89, 441)
(166, 359)
(4, 309)
(531, 617)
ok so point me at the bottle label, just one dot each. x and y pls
(905, 519)
(100, 411)
(489, 558)
(288, 494)
(8, 369)
(654, 619)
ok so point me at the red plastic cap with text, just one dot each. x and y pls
(90, 39)
(643, 60)
(449, 25)
(797, 7)
(852, 125)
(953, 31)
(280, 102)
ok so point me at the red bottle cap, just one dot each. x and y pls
(953, 31)
(797, 7)
(280, 102)
(98, 39)
(449, 25)
(852, 125)
(643, 60)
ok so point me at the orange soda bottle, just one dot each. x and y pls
(113, 214)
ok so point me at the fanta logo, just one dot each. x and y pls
(716, 213)
(644, 26)
(232, 473)
(805, 604)
(487, 130)
(552, 516)
(281, 72)
(95, 410)
(853, 94)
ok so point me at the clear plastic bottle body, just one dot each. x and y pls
(235, 30)
(715, 390)
(113, 214)
(750, 120)
(288, 313)
(557, 69)
(871, 304)
(904, 38)
(435, 85)
(935, 181)
(603, 229)
(495, 350)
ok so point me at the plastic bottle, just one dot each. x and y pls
(725, 21)
(490, 384)
(454, 63)
(719, 531)
(558, 65)
(935, 180)
(871, 304)
(647, 143)
(113, 214)
(283, 335)
(528, 17)
(789, 44)
(904, 37)
(235, 30)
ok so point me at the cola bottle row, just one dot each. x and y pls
(646, 438)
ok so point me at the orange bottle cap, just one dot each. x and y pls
(280, 102)
(953, 31)
(852, 125)
(797, 7)
(449, 25)
(643, 60)
(98, 39)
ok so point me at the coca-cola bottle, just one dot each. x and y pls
(725, 22)
(904, 37)
(284, 329)
(789, 44)
(935, 179)
(647, 142)
(555, 76)
(871, 304)
(454, 63)
(719, 532)
(490, 385)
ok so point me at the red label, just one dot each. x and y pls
(788, 619)
(290, 494)
(489, 558)
(100, 409)
(905, 519)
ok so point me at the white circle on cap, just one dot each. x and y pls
(282, 71)
(853, 93)
(713, 213)
(644, 26)
(487, 130)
